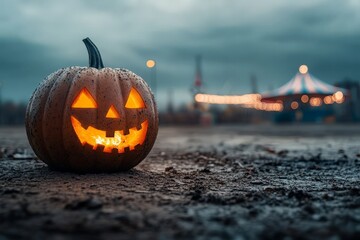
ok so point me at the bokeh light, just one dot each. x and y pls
(315, 102)
(150, 63)
(294, 105)
(303, 69)
(304, 98)
(328, 100)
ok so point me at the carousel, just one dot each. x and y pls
(303, 93)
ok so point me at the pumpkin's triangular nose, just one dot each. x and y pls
(112, 113)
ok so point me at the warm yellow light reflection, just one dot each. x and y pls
(304, 98)
(294, 105)
(150, 63)
(246, 101)
(96, 137)
(303, 69)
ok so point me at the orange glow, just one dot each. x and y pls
(96, 137)
(341, 100)
(338, 97)
(294, 105)
(224, 99)
(304, 98)
(134, 100)
(328, 100)
(84, 100)
(303, 69)
(246, 101)
(315, 102)
(112, 113)
(150, 63)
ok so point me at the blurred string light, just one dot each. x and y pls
(338, 97)
(254, 101)
(226, 99)
(328, 100)
(246, 101)
(315, 102)
(304, 98)
(294, 105)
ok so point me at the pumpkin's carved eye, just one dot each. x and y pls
(134, 100)
(84, 100)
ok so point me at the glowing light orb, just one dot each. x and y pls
(303, 69)
(315, 102)
(304, 98)
(294, 105)
(150, 63)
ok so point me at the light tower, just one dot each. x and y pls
(197, 87)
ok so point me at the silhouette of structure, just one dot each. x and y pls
(198, 83)
(170, 105)
(350, 112)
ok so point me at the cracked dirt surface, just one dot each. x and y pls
(248, 182)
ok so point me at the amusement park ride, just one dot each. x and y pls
(303, 88)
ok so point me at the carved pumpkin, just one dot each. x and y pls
(92, 119)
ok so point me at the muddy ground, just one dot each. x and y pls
(248, 182)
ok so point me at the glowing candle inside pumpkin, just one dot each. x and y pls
(96, 137)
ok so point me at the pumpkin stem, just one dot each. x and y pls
(95, 60)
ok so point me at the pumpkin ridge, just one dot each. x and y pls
(153, 106)
(97, 90)
(132, 83)
(43, 130)
(58, 83)
(155, 110)
(53, 80)
(118, 82)
(39, 137)
(75, 74)
(96, 163)
(123, 113)
(125, 93)
(76, 79)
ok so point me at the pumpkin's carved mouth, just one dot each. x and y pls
(120, 141)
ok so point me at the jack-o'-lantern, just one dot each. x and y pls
(92, 119)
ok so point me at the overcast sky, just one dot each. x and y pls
(235, 38)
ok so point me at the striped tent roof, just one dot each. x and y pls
(301, 84)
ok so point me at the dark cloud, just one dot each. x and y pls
(236, 39)
(20, 58)
(270, 48)
(23, 65)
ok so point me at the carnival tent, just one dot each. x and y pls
(302, 84)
